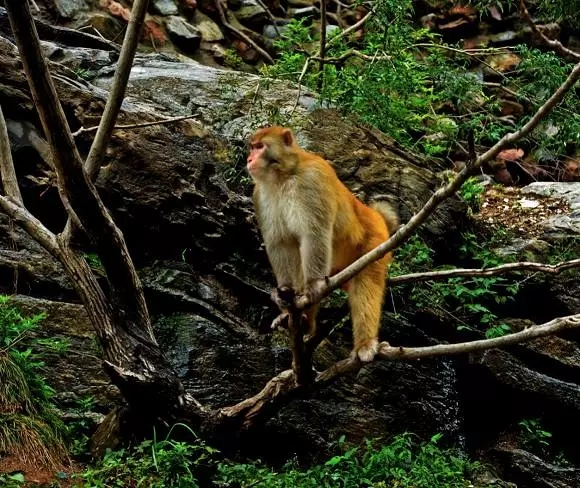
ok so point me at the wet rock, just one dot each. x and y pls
(528, 470)
(165, 7)
(209, 30)
(67, 9)
(250, 11)
(106, 25)
(184, 35)
(76, 373)
(302, 13)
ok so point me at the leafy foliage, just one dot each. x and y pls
(30, 429)
(401, 463)
(151, 464)
(427, 94)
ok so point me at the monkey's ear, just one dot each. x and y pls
(287, 137)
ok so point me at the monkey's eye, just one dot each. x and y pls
(258, 145)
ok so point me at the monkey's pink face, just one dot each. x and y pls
(257, 158)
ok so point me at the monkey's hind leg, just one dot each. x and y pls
(365, 296)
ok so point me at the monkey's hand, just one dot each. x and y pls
(283, 296)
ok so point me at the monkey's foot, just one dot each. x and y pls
(283, 320)
(367, 351)
(283, 296)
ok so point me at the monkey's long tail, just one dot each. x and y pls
(389, 214)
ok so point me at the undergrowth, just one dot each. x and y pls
(30, 430)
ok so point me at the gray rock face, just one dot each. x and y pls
(250, 11)
(210, 31)
(183, 34)
(165, 7)
(560, 225)
(67, 9)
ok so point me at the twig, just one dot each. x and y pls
(555, 45)
(443, 193)
(350, 54)
(270, 16)
(7, 172)
(83, 130)
(322, 50)
(116, 95)
(497, 270)
(239, 33)
(534, 332)
(352, 28)
(304, 70)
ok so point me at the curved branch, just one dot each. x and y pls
(555, 45)
(497, 270)
(443, 193)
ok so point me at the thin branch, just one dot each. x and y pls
(83, 130)
(498, 270)
(322, 50)
(352, 28)
(349, 54)
(444, 192)
(559, 324)
(555, 45)
(270, 17)
(116, 95)
(239, 33)
(30, 224)
(7, 172)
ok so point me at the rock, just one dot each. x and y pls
(270, 32)
(184, 35)
(332, 30)
(301, 13)
(209, 30)
(67, 9)
(250, 11)
(165, 7)
(78, 372)
(559, 225)
(106, 25)
(528, 470)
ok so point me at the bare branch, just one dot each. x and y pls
(445, 192)
(555, 45)
(349, 54)
(559, 324)
(7, 172)
(322, 50)
(31, 225)
(352, 28)
(239, 33)
(73, 181)
(498, 270)
(270, 17)
(117, 93)
(83, 130)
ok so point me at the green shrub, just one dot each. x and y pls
(30, 429)
(401, 463)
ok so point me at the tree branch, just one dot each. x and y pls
(239, 33)
(7, 172)
(83, 130)
(77, 188)
(497, 270)
(116, 95)
(31, 225)
(443, 193)
(555, 45)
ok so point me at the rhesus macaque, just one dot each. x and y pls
(313, 227)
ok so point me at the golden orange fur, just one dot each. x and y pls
(313, 227)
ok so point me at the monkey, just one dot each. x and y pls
(313, 226)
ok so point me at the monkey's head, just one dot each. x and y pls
(272, 149)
